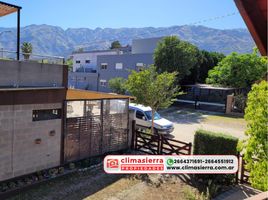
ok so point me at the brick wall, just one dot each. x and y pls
(19, 154)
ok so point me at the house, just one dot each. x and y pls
(111, 65)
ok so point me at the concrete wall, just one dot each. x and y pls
(19, 154)
(81, 80)
(30, 74)
(129, 62)
(147, 45)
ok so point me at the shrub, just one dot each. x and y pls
(255, 147)
(211, 143)
(207, 142)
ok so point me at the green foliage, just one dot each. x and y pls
(238, 70)
(211, 143)
(26, 49)
(152, 89)
(174, 55)
(207, 142)
(69, 62)
(117, 85)
(115, 44)
(206, 61)
(255, 147)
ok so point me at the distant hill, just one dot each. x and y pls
(53, 40)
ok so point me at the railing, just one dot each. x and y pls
(158, 144)
(11, 55)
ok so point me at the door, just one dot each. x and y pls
(141, 119)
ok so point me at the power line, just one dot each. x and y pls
(160, 30)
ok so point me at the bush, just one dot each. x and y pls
(211, 143)
(255, 147)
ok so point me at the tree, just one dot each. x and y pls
(26, 49)
(152, 89)
(238, 70)
(255, 147)
(115, 45)
(174, 55)
(117, 85)
(69, 62)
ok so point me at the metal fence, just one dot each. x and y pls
(95, 127)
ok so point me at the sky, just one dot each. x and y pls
(125, 13)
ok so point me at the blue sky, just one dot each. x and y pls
(124, 13)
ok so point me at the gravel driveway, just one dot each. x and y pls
(187, 121)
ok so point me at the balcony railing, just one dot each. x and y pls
(11, 55)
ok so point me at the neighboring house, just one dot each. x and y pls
(87, 61)
(112, 66)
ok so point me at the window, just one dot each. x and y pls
(104, 65)
(103, 83)
(140, 114)
(119, 66)
(140, 66)
(87, 61)
(77, 61)
(40, 115)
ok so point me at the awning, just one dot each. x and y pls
(6, 8)
(76, 95)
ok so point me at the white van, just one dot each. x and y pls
(143, 117)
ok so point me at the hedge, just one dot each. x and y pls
(212, 143)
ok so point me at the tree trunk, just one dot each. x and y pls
(152, 129)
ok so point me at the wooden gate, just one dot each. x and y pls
(158, 144)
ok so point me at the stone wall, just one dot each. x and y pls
(19, 153)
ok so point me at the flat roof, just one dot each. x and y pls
(6, 8)
(96, 51)
(76, 95)
(29, 88)
(211, 87)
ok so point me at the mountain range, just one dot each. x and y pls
(53, 40)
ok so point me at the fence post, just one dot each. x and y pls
(160, 143)
(237, 173)
(242, 170)
(190, 149)
(133, 135)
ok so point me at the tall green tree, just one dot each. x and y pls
(118, 85)
(115, 45)
(26, 49)
(255, 147)
(238, 70)
(175, 55)
(69, 62)
(152, 89)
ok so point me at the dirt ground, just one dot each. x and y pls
(187, 121)
(96, 185)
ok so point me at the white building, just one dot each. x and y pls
(87, 61)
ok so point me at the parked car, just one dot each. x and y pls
(143, 117)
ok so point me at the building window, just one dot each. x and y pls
(140, 66)
(49, 114)
(77, 61)
(119, 66)
(87, 61)
(104, 65)
(103, 83)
